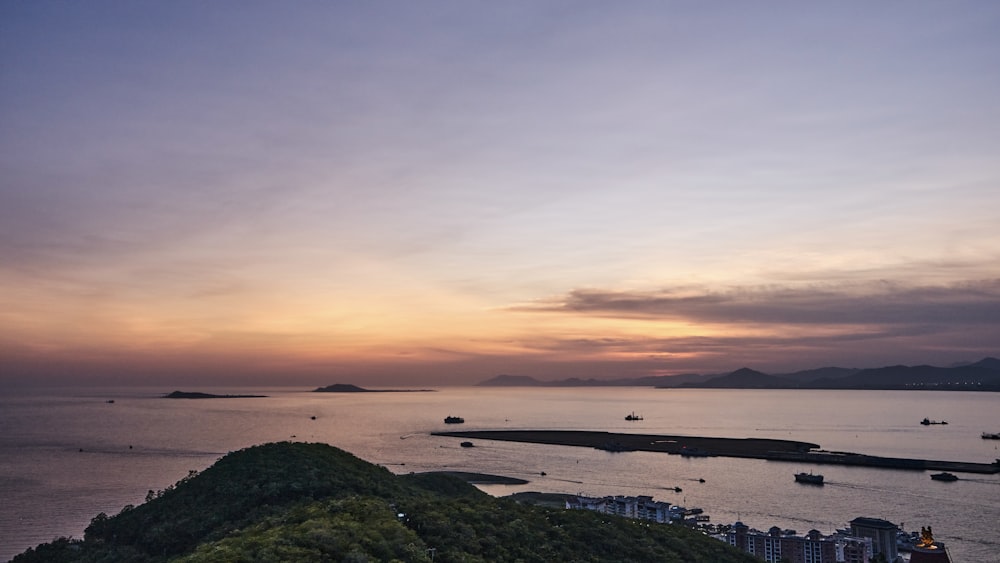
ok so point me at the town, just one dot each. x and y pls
(865, 540)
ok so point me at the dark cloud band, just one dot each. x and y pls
(878, 303)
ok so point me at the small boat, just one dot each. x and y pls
(453, 420)
(944, 476)
(110, 401)
(928, 422)
(467, 444)
(809, 478)
(633, 416)
(991, 436)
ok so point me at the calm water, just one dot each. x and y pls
(49, 488)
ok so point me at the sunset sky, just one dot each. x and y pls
(439, 192)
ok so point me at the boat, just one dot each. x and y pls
(809, 478)
(467, 444)
(453, 420)
(928, 422)
(944, 476)
(633, 416)
(991, 436)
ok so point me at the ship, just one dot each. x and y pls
(633, 416)
(467, 444)
(928, 422)
(809, 478)
(991, 435)
(453, 420)
(944, 476)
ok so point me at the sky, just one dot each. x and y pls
(394, 193)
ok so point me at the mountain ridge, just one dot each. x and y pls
(983, 375)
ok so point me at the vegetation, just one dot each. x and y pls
(312, 502)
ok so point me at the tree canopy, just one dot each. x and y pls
(313, 502)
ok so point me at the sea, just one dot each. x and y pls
(68, 454)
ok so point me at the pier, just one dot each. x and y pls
(753, 448)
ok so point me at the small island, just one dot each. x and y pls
(349, 388)
(479, 478)
(194, 395)
(341, 388)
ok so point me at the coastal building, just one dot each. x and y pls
(776, 546)
(640, 507)
(882, 533)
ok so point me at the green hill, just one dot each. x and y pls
(313, 502)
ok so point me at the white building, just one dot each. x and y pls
(641, 507)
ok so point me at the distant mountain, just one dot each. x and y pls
(646, 381)
(988, 363)
(972, 377)
(819, 373)
(745, 378)
(983, 375)
(669, 381)
(511, 381)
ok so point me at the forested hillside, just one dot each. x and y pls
(313, 502)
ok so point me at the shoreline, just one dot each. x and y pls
(701, 446)
(479, 478)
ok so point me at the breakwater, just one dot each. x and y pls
(848, 458)
(702, 446)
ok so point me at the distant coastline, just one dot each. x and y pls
(349, 388)
(193, 395)
(983, 375)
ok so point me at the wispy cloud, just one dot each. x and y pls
(860, 303)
